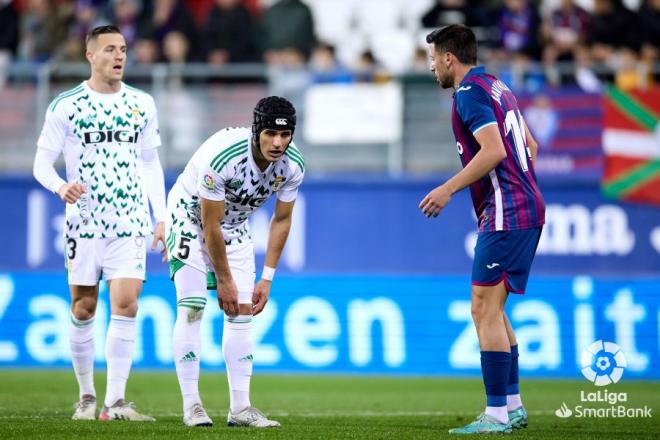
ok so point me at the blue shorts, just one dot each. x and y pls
(505, 255)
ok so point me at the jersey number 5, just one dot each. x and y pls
(515, 126)
(184, 249)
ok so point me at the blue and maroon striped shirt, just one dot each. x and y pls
(508, 197)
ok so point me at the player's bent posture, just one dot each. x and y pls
(231, 175)
(498, 153)
(108, 134)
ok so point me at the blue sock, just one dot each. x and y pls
(513, 387)
(495, 368)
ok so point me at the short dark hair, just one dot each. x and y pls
(105, 29)
(457, 39)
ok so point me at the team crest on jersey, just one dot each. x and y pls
(235, 184)
(208, 182)
(277, 183)
(136, 112)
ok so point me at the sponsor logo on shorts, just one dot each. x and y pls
(492, 265)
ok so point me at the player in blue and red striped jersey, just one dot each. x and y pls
(498, 154)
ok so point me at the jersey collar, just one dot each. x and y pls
(474, 71)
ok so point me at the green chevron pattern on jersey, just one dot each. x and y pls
(227, 154)
(108, 132)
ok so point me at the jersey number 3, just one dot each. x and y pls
(515, 126)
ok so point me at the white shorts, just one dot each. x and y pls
(87, 259)
(239, 256)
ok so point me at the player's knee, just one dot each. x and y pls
(483, 312)
(126, 307)
(83, 308)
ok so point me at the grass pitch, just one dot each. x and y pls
(37, 404)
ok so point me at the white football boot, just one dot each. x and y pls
(251, 417)
(196, 416)
(85, 409)
(123, 410)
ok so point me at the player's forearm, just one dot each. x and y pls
(279, 232)
(481, 164)
(44, 170)
(215, 244)
(154, 183)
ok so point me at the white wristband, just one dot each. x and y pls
(268, 273)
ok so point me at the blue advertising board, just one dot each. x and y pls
(373, 225)
(358, 324)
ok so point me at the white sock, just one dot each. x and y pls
(81, 341)
(119, 343)
(187, 346)
(237, 349)
(499, 413)
(513, 402)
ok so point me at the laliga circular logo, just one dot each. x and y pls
(603, 363)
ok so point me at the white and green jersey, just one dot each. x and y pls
(101, 137)
(223, 169)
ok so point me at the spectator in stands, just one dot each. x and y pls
(125, 15)
(631, 73)
(367, 69)
(43, 28)
(285, 26)
(612, 26)
(86, 17)
(146, 49)
(176, 48)
(564, 31)
(171, 15)
(650, 30)
(325, 68)
(229, 33)
(8, 37)
(519, 24)
(446, 12)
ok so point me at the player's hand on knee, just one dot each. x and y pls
(260, 296)
(228, 297)
(71, 192)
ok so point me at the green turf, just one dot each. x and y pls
(37, 404)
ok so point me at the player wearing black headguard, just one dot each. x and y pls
(231, 175)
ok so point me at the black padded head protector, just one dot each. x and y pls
(274, 113)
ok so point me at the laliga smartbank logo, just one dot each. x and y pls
(603, 363)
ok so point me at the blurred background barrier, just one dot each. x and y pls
(359, 324)
(398, 125)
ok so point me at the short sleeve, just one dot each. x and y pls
(53, 133)
(474, 107)
(151, 132)
(289, 190)
(211, 185)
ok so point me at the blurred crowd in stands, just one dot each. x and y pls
(339, 39)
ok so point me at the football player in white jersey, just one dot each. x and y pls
(231, 175)
(108, 134)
